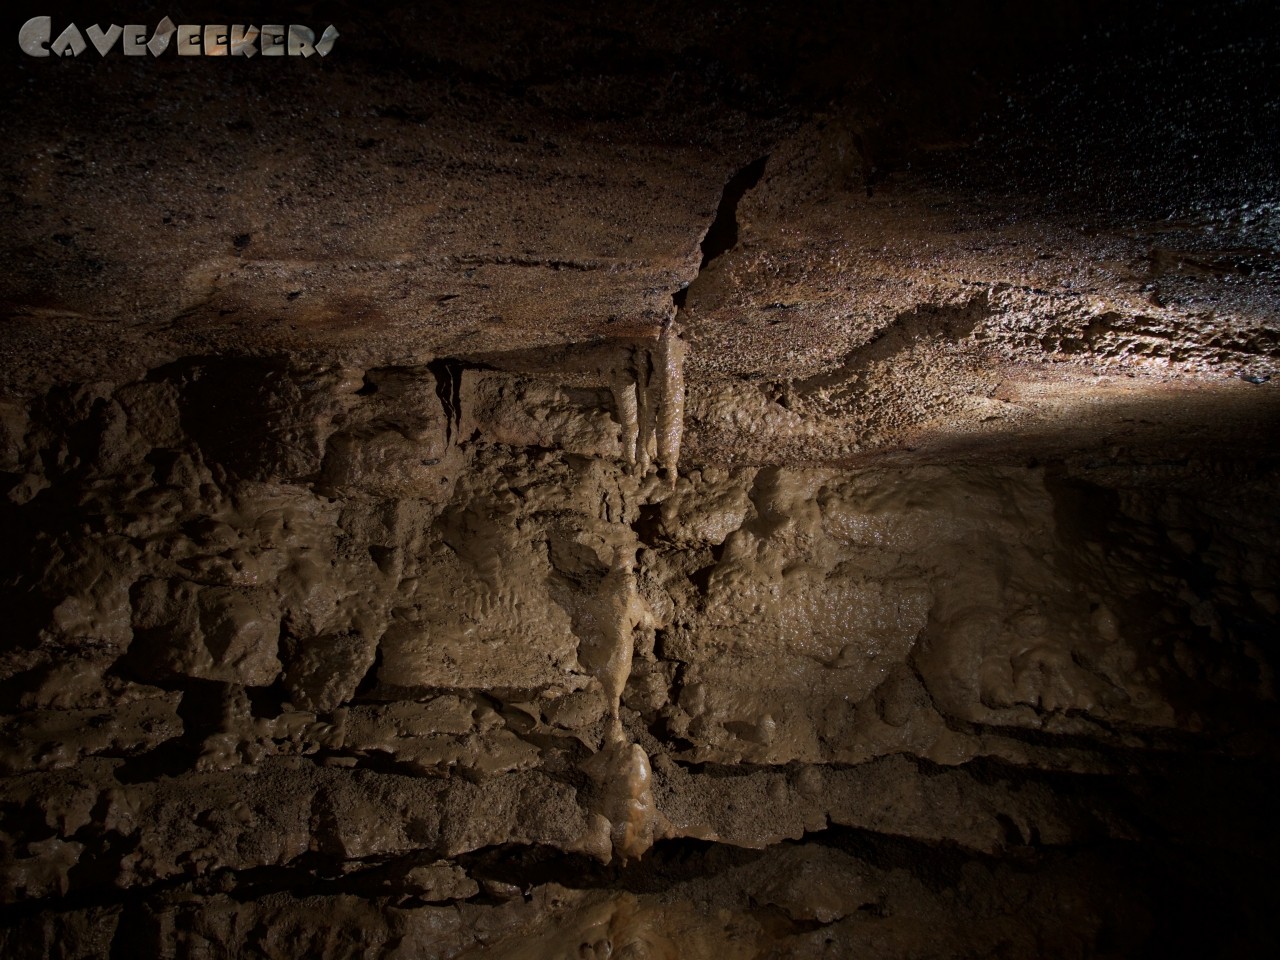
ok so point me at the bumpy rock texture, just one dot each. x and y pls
(647, 483)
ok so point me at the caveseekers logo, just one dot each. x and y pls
(190, 40)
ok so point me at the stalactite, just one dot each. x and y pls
(628, 412)
(669, 373)
(649, 397)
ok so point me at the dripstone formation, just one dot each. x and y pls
(646, 482)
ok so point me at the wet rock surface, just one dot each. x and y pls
(629, 494)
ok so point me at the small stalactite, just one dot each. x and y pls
(669, 375)
(649, 399)
(628, 412)
(646, 447)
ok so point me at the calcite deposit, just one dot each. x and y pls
(647, 481)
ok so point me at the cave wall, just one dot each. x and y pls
(279, 630)
(548, 484)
